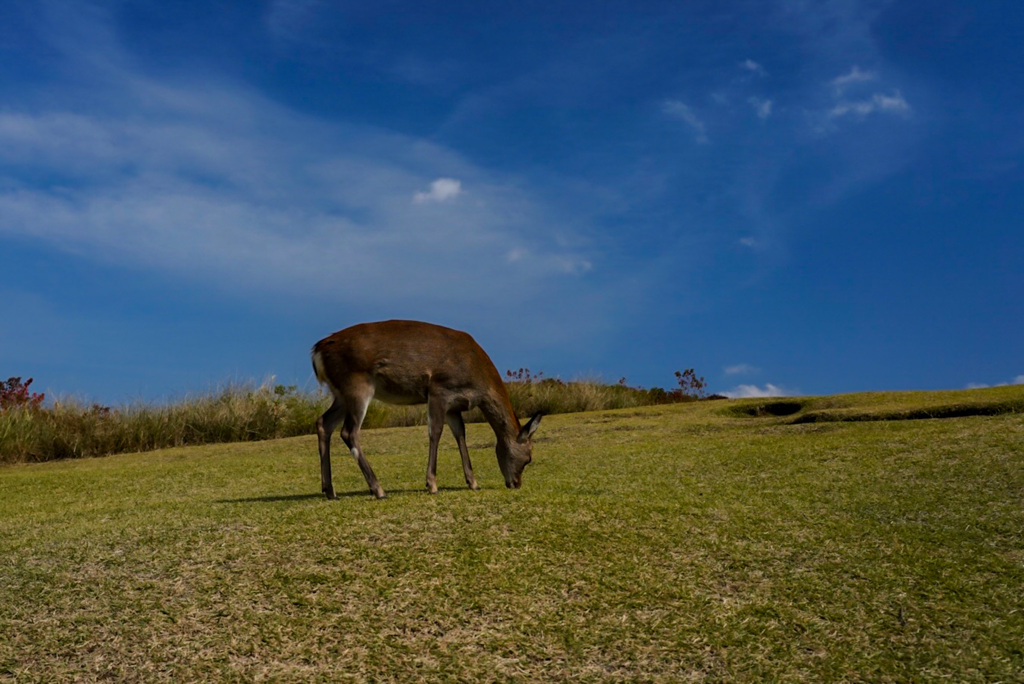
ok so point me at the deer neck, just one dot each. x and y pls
(500, 416)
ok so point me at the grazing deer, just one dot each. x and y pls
(408, 362)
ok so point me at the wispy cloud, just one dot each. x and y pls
(441, 190)
(682, 112)
(762, 107)
(740, 369)
(211, 182)
(554, 262)
(516, 254)
(753, 67)
(753, 391)
(864, 102)
(856, 75)
(247, 195)
(890, 104)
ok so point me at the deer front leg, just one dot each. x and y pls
(364, 465)
(350, 433)
(371, 479)
(357, 402)
(458, 427)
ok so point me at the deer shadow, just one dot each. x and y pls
(361, 493)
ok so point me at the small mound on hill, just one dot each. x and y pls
(784, 407)
(930, 412)
(882, 406)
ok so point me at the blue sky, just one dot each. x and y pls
(792, 197)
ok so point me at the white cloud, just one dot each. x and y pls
(1019, 380)
(679, 110)
(740, 369)
(762, 107)
(892, 104)
(753, 392)
(441, 190)
(862, 106)
(855, 76)
(753, 67)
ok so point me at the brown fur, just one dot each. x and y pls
(409, 362)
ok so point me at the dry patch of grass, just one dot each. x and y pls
(673, 543)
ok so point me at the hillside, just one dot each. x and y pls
(819, 539)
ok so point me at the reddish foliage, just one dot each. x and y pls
(14, 392)
(522, 375)
(690, 385)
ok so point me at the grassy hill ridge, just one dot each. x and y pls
(237, 413)
(701, 541)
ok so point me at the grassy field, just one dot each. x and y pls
(818, 539)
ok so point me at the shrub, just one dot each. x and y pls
(236, 413)
(14, 392)
(690, 385)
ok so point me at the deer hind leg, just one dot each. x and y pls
(435, 424)
(325, 425)
(458, 427)
(350, 434)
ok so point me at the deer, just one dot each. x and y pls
(411, 362)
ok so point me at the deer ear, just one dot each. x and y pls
(531, 427)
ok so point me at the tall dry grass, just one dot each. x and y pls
(71, 429)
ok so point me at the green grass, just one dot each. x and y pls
(673, 543)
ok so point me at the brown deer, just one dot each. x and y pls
(408, 362)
